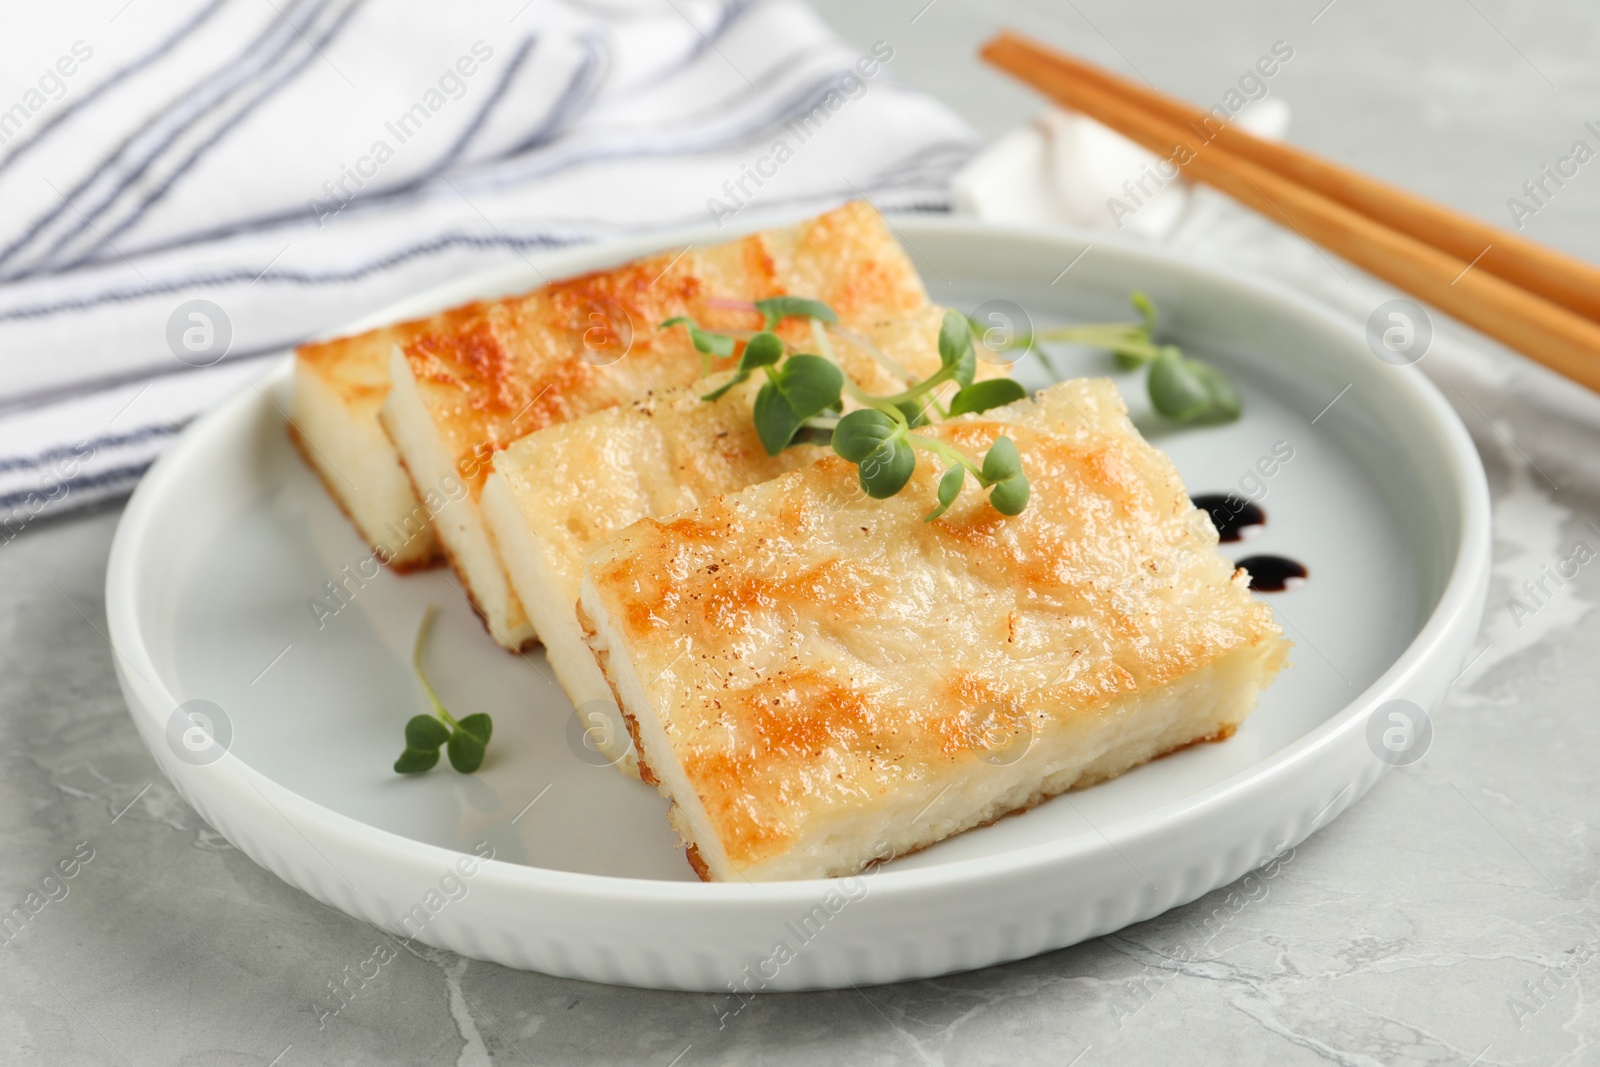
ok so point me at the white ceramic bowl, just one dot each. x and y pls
(229, 536)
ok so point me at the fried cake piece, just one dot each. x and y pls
(582, 345)
(819, 680)
(339, 385)
(557, 492)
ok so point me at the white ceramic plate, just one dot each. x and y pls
(229, 536)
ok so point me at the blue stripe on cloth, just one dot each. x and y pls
(574, 99)
(122, 440)
(232, 73)
(117, 77)
(118, 479)
(726, 19)
(267, 92)
(956, 150)
(507, 76)
(801, 102)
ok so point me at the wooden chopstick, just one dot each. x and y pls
(1435, 254)
(1559, 278)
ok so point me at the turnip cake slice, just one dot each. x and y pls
(556, 493)
(339, 385)
(590, 343)
(818, 680)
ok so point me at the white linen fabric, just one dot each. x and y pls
(192, 188)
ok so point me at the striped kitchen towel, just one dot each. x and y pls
(192, 188)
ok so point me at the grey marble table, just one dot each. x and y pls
(1450, 917)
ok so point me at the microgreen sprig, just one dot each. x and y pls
(805, 392)
(707, 344)
(775, 309)
(880, 439)
(466, 739)
(1181, 388)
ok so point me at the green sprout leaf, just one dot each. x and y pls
(469, 742)
(949, 488)
(775, 309)
(916, 413)
(810, 384)
(1010, 495)
(860, 433)
(1002, 466)
(426, 732)
(1187, 390)
(1002, 460)
(712, 344)
(416, 760)
(466, 740)
(801, 400)
(876, 444)
(1226, 404)
(762, 350)
(887, 468)
(803, 386)
(1175, 389)
(981, 396)
(775, 420)
(955, 347)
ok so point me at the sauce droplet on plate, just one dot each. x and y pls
(1234, 517)
(1273, 574)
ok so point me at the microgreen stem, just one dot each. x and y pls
(916, 391)
(1107, 335)
(416, 664)
(882, 403)
(819, 332)
(1101, 336)
(867, 345)
(948, 454)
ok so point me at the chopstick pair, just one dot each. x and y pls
(1531, 298)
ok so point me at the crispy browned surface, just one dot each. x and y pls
(692, 854)
(357, 367)
(604, 659)
(584, 480)
(809, 650)
(526, 363)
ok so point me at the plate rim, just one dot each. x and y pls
(1458, 595)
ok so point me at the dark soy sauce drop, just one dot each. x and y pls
(1234, 517)
(1273, 574)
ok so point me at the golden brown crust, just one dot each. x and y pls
(549, 357)
(354, 369)
(356, 366)
(527, 645)
(1084, 782)
(430, 563)
(1225, 731)
(692, 854)
(646, 775)
(843, 645)
(603, 659)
